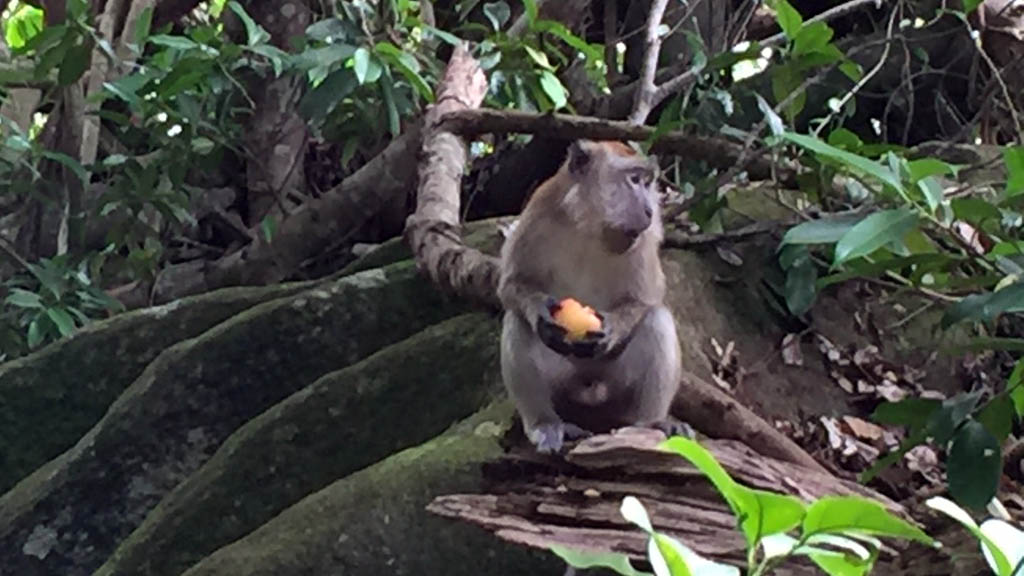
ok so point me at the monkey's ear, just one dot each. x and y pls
(579, 156)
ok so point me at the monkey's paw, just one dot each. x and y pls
(672, 427)
(550, 437)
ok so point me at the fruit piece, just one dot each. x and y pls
(576, 318)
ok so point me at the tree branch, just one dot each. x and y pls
(718, 152)
(643, 101)
(433, 231)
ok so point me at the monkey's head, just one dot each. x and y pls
(613, 191)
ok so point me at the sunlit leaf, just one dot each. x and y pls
(255, 34)
(498, 13)
(949, 508)
(789, 19)
(1010, 541)
(553, 89)
(176, 42)
(1013, 156)
(841, 514)
(584, 559)
(858, 163)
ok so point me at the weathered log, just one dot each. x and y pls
(543, 501)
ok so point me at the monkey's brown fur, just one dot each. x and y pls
(591, 232)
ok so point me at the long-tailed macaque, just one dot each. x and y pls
(591, 232)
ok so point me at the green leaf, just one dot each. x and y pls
(945, 421)
(789, 19)
(1013, 156)
(985, 307)
(704, 461)
(1009, 539)
(845, 139)
(269, 227)
(851, 514)
(406, 64)
(873, 232)
(24, 299)
(176, 42)
(23, 25)
(584, 559)
(144, 25)
(255, 34)
(914, 413)
(35, 333)
(361, 63)
(318, 102)
(801, 288)
(997, 416)
(539, 57)
(75, 63)
(62, 320)
(531, 10)
(553, 89)
(932, 191)
(974, 466)
(777, 513)
(498, 13)
(325, 56)
(925, 167)
(834, 565)
(76, 168)
(971, 5)
(821, 231)
(812, 38)
(974, 210)
(847, 159)
(661, 550)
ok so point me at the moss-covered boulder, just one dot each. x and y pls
(399, 397)
(374, 522)
(51, 397)
(68, 516)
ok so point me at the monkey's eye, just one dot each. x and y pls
(635, 179)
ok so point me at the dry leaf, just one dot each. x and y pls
(863, 429)
(792, 355)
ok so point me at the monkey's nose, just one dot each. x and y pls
(648, 211)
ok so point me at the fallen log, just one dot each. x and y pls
(574, 501)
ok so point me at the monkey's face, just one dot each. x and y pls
(617, 191)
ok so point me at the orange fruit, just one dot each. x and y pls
(576, 318)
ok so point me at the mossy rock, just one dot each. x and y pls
(50, 398)
(374, 522)
(68, 516)
(399, 397)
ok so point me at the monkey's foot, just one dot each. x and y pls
(549, 437)
(672, 427)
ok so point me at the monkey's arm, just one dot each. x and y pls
(618, 325)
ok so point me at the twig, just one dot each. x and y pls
(826, 16)
(676, 239)
(718, 152)
(13, 255)
(865, 79)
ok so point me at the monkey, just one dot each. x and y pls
(592, 232)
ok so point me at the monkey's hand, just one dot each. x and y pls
(670, 427)
(553, 335)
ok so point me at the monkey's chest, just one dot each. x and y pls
(591, 276)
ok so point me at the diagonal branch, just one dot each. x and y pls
(643, 101)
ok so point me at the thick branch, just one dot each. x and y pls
(718, 152)
(433, 231)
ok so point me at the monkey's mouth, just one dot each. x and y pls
(619, 241)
